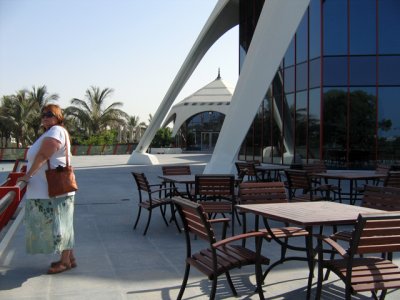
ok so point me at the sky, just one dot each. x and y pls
(134, 47)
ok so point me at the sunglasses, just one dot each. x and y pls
(48, 114)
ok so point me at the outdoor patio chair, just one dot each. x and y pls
(392, 179)
(220, 257)
(151, 201)
(216, 193)
(373, 234)
(177, 170)
(248, 169)
(376, 197)
(267, 193)
(301, 180)
(317, 166)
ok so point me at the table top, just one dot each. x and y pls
(349, 174)
(309, 213)
(271, 167)
(179, 178)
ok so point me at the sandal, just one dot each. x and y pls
(73, 263)
(59, 268)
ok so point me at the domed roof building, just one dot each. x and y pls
(198, 118)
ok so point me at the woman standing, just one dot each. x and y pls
(49, 221)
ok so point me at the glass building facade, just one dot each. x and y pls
(336, 94)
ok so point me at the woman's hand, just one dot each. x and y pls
(24, 178)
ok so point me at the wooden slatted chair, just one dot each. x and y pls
(177, 170)
(220, 256)
(317, 166)
(151, 202)
(392, 179)
(302, 180)
(216, 192)
(271, 192)
(248, 169)
(376, 197)
(373, 234)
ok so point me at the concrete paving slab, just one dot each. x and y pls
(116, 262)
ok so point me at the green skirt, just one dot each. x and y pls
(49, 225)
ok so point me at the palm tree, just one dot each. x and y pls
(132, 124)
(91, 114)
(40, 97)
(17, 111)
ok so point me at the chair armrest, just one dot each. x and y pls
(220, 220)
(237, 238)
(343, 253)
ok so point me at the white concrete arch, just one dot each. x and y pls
(224, 17)
(276, 26)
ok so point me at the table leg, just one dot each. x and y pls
(310, 258)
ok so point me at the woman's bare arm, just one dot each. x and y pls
(47, 149)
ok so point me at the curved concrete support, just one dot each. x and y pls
(224, 17)
(276, 26)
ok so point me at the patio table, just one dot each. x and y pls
(271, 168)
(187, 180)
(307, 215)
(352, 176)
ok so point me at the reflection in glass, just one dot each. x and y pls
(315, 73)
(363, 70)
(334, 125)
(314, 121)
(362, 27)
(389, 124)
(389, 26)
(335, 27)
(301, 124)
(389, 67)
(315, 28)
(335, 71)
(362, 126)
(301, 77)
(302, 40)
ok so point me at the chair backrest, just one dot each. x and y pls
(194, 219)
(141, 182)
(315, 167)
(262, 192)
(381, 197)
(247, 167)
(383, 169)
(214, 185)
(176, 170)
(392, 179)
(298, 179)
(376, 233)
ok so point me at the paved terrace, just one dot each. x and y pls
(115, 262)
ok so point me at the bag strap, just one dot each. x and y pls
(66, 149)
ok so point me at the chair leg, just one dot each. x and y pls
(174, 217)
(137, 218)
(320, 278)
(229, 279)
(148, 222)
(184, 282)
(213, 287)
(163, 215)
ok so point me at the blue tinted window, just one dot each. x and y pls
(389, 112)
(362, 70)
(289, 80)
(389, 26)
(315, 73)
(335, 71)
(362, 27)
(302, 40)
(301, 76)
(301, 124)
(315, 28)
(389, 67)
(335, 27)
(289, 55)
(314, 120)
